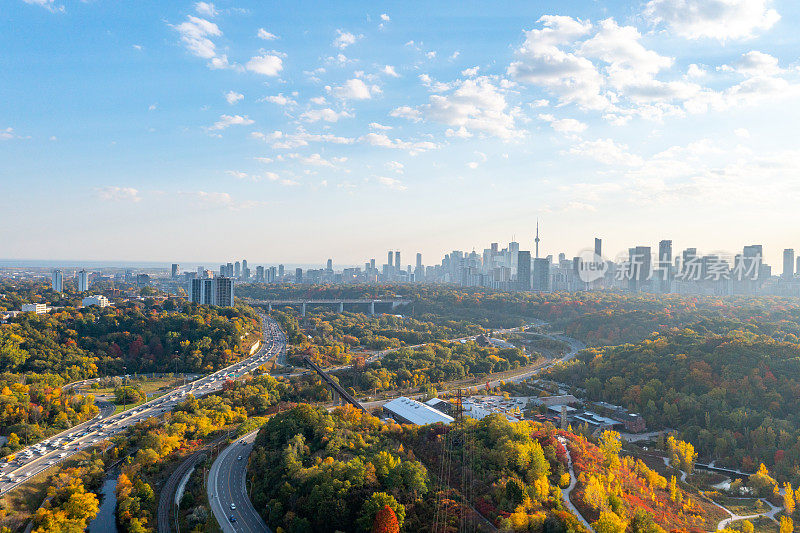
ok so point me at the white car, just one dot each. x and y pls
(233, 507)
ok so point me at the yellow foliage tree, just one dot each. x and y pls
(787, 526)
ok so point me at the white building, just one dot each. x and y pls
(58, 280)
(38, 309)
(408, 411)
(83, 281)
(98, 300)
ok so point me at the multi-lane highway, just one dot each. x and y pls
(38, 457)
(227, 490)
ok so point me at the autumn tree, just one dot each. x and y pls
(385, 521)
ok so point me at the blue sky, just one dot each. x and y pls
(297, 131)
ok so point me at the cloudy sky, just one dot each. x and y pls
(296, 131)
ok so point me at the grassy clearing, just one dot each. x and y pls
(741, 506)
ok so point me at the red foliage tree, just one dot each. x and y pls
(385, 521)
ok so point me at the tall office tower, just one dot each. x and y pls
(562, 257)
(372, 264)
(229, 270)
(598, 247)
(298, 275)
(329, 265)
(524, 270)
(640, 266)
(83, 281)
(175, 270)
(397, 263)
(536, 240)
(541, 274)
(664, 253)
(260, 273)
(58, 280)
(753, 257)
(237, 269)
(244, 265)
(389, 260)
(494, 247)
(788, 263)
(272, 274)
(280, 271)
(419, 260)
(797, 266)
(246, 273)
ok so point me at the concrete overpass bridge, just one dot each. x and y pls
(340, 396)
(339, 303)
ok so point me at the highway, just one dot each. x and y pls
(227, 491)
(38, 457)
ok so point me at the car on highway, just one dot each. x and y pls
(232, 519)
(239, 458)
(233, 507)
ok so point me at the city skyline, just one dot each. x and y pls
(333, 130)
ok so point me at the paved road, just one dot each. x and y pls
(227, 485)
(572, 482)
(36, 458)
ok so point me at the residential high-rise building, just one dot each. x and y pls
(524, 270)
(175, 270)
(280, 271)
(397, 263)
(237, 269)
(244, 264)
(389, 260)
(83, 281)
(217, 291)
(298, 275)
(329, 265)
(664, 253)
(260, 273)
(797, 266)
(372, 264)
(58, 280)
(788, 263)
(598, 247)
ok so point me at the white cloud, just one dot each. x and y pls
(412, 147)
(279, 99)
(395, 166)
(196, 36)
(541, 61)
(715, 19)
(315, 160)
(318, 100)
(391, 183)
(233, 97)
(606, 151)
(206, 8)
(742, 133)
(267, 36)
(470, 71)
(564, 125)
(268, 65)
(355, 89)
(385, 17)
(210, 200)
(406, 112)
(8, 134)
(226, 121)
(344, 39)
(50, 5)
(376, 126)
(283, 141)
(755, 63)
(390, 71)
(116, 194)
(475, 105)
(327, 115)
